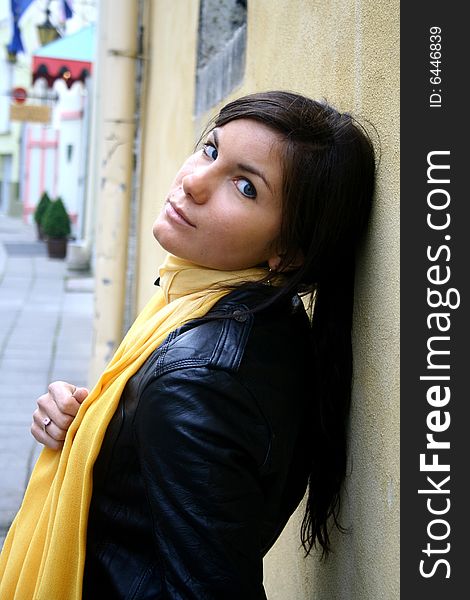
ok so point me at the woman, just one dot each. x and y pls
(225, 401)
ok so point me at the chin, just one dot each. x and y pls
(166, 246)
(158, 230)
(155, 230)
(167, 242)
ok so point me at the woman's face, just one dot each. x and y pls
(223, 209)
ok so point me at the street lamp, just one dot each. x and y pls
(11, 55)
(46, 31)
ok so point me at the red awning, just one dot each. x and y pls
(68, 70)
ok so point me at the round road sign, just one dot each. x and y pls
(19, 95)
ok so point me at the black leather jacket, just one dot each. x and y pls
(202, 463)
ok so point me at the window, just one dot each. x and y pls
(69, 151)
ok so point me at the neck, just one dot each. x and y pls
(179, 277)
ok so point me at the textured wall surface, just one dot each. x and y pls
(348, 52)
(168, 132)
(115, 119)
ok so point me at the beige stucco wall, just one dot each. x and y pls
(348, 52)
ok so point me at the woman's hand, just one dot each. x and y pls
(56, 411)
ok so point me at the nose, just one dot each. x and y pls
(197, 184)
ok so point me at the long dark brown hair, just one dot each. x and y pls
(328, 184)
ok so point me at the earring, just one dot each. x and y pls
(268, 281)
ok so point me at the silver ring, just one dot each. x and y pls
(45, 422)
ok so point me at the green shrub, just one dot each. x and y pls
(56, 222)
(42, 207)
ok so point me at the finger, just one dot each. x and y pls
(63, 395)
(52, 430)
(68, 405)
(80, 394)
(49, 427)
(61, 388)
(40, 432)
(49, 408)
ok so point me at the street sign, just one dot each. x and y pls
(34, 113)
(19, 95)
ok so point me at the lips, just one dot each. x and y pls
(176, 214)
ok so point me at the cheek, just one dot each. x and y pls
(263, 227)
(186, 169)
(176, 183)
(246, 234)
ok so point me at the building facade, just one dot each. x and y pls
(46, 150)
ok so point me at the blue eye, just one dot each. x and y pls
(210, 150)
(246, 188)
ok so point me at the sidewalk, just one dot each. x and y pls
(46, 317)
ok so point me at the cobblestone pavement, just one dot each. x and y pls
(45, 334)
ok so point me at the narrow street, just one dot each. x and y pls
(45, 334)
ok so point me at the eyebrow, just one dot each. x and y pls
(243, 166)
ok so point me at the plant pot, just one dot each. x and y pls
(40, 231)
(57, 247)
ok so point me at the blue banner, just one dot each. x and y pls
(17, 9)
(19, 6)
(67, 9)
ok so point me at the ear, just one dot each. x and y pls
(276, 260)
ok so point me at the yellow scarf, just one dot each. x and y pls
(44, 553)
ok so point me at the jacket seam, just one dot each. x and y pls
(182, 363)
(210, 361)
(162, 351)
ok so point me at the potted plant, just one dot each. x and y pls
(56, 228)
(39, 213)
